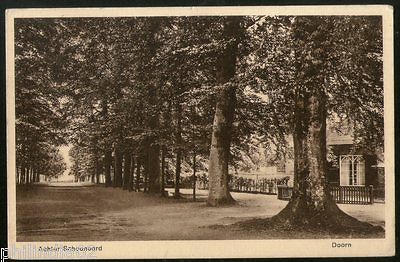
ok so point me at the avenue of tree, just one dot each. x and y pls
(142, 98)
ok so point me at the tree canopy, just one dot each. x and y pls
(145, 89)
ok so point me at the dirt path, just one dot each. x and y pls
(98, 213)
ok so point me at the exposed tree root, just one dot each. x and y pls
(217, 202)
(298, 216)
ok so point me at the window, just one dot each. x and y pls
(352, 170)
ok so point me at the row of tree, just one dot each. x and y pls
(39, 124)
(155, 92)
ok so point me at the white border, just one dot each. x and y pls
(220, 248)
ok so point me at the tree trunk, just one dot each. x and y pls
(118, 166)
(131, 173)
(311, 204)
(145, 173)
(163, 152)
(107, 167)
(194, 174)
(218, 193)
(153, 150)
(36, 176)
(23, 174)
(153, 168)
(29, 176)
(18, 175)
(93, 177)
(127, 169)
(33, 175)
(178, 140)
(98, 171)
(194, 151)
(138, 164)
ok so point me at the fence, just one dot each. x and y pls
(361, 195)
(248, 185)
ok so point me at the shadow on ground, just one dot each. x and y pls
(97, 213)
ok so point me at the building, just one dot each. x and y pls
(350, 166)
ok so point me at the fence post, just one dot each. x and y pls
(371, 194)
(339, 190)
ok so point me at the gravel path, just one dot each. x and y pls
(96, 213)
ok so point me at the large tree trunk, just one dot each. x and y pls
(153, 168)
(178, 140)
(153, 150)
(163, 152)
(118, 166)
(145, 173)
(138, 164)
(131, 173)
(311, 204)
(194, 175)
(127, 169)
(218, 193)
(98, 171)
(107, 167)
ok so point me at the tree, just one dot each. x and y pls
(224, 115)
(326, 52)
(39, 119)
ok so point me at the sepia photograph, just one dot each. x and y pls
(141, 127)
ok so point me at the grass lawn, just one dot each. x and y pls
(96, 213)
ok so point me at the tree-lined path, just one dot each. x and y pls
(144, 100)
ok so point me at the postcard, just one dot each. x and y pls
(200, 132)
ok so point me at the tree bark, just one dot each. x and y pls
(23, 175)
(29, 176)
(131, 173)
(18, 175)
(145, 173)
(118, 166)
(218, 193)
(162, 180)
(194, 174)
(98, 171)
(107, 167)
(93, 177)
(178, 140)
(153, 150)
(153, 168)
(138, 164)
(127, 169)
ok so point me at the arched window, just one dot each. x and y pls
(352, 170)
